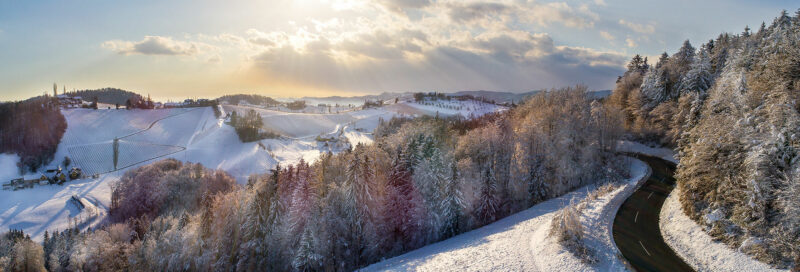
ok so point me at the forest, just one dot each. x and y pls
(730, 108)
(107, 95)
(423, 180)
(31, 129)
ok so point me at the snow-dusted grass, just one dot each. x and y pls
(519, 242)
(696, 247)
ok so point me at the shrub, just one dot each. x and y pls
(567, 229)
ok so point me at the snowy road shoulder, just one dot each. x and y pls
(597, 218)
(512, 243)
(696, 247)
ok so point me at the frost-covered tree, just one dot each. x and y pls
(698, 78)
(654, 87)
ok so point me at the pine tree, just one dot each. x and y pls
(698, 78)
(487, 208)
(305, 258)
(402, 205)
(452, 205)
(654, 87)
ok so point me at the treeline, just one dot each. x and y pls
(107, 95)
(31, 129)
(423, 180)
(252, 99)
(420, 96)
(731, 109)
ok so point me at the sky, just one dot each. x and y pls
(203, 49)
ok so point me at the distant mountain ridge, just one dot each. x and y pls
(497, 96)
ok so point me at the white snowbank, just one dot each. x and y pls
(512, 243)
(696, 247)
(660, 152)
(597, 219)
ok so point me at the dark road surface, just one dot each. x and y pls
(636, 230)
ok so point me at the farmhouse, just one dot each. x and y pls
(69, 101)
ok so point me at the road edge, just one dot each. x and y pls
(617, 202)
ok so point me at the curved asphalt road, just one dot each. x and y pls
(636, 230)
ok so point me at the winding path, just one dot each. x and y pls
(636, 229)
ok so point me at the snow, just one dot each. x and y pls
(696, 247)
(519, 243)
(49, 207)
(659, 152)
(187, 134)
(8, 167)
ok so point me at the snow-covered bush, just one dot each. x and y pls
(567, 229)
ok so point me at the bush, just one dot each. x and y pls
(567, 229)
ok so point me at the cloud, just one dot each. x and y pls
(561, 12)
(271, 39)
(214, 59)
(630, 42)
(607, 36)
(155, 45)
(533, 12)
(600, 3)
(510, 60)
(640, 28)
(399, 5)
(471, 12)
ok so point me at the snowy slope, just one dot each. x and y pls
(696, 247)
(515, 243)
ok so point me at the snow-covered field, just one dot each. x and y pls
(696, 247)
(519, 243)
(187, 134)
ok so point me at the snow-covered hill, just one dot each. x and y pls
(187, 134)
